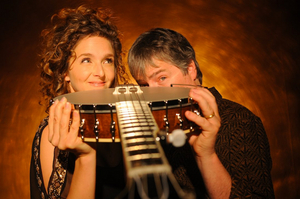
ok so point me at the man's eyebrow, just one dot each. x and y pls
(155, 73)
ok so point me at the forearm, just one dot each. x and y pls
(84, 177)
(216, 178)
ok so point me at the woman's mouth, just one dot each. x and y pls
(97, 84)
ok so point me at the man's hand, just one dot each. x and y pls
(209, 122)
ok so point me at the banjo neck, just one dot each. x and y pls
(143, 154)
(138, 131)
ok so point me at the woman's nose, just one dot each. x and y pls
(98, 70)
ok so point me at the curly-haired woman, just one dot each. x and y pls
(81, 51)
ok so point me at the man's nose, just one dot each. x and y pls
(153, 84)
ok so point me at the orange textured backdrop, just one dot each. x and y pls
(249, 50)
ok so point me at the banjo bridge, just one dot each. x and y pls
(127, 89)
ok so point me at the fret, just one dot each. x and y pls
(141, 128)
(140, 147)
(132, 121)
(144, 156)
(138, 134)
(137, 124)
(140, 140)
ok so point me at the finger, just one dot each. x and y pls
(51, 120)
(206, 124)
(75, 126)
(72, 140)
(204, 93)
(202, 89)
(192, 139)
(191, 116)
(56, 120)
(205, 100)
(75, 123)
(209, 129)
(64, 122)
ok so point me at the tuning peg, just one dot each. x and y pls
(177, 138)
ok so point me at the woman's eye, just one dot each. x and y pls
(109, 61)
(86, 60)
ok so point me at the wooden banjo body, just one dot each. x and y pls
(99, 120)
(136, 116)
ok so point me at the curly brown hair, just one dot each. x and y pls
(67, 28)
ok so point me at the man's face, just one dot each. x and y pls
(165, 75)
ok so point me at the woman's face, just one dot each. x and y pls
(92, 67)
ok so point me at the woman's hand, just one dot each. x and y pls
(62, 133)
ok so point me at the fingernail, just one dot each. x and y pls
(67, 105)
(62, 99)
(75, 112)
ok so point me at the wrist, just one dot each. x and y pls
(88, 158)
(207, 158)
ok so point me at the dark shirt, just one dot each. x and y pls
(243, 148)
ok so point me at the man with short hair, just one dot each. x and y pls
(232, 151)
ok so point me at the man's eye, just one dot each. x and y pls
(143, 84)
(162, 78)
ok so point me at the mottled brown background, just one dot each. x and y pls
(247, 49)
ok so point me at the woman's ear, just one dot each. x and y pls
(67, 77)
(192, 71)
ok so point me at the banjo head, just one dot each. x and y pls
(98, 108)
(107, 96)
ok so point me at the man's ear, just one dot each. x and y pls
(192, 71)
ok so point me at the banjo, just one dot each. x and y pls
(140, 118)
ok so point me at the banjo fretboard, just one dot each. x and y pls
(143, 154)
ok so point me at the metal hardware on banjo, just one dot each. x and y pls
(139, 118)
(97, 109)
